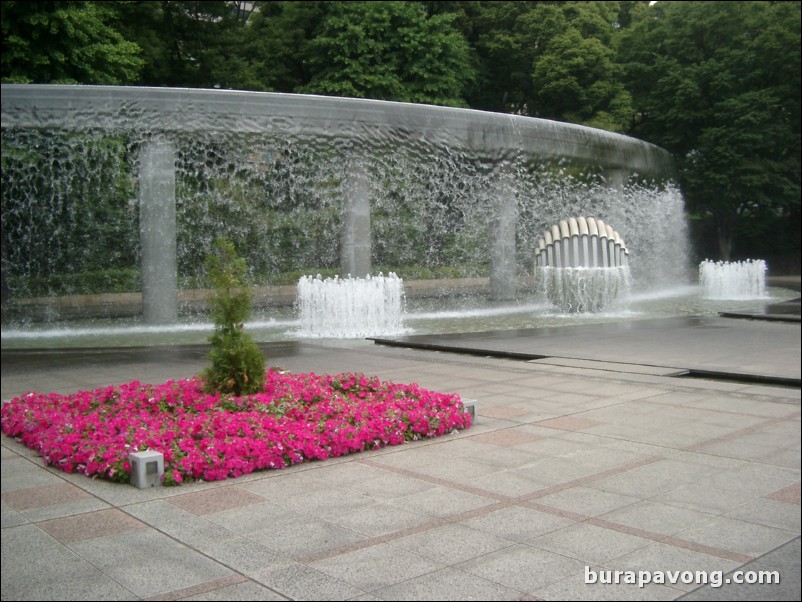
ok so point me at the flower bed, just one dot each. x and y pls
(211, 437)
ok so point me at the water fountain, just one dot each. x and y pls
(582, 265)
(348, 308)
(733, 279)
(111, 195)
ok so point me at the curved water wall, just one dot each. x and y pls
(125, 188)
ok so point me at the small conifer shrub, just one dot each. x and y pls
(238, 365)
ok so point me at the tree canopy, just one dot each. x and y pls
(389, 51)
(66, 43)
(718, 84)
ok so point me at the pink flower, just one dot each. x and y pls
(296, 418)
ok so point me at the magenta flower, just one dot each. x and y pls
(296, 418)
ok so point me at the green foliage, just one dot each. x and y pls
(279, 39)
(255, 202)
(718, 84)
(65, 43)
(190, 43)
(112, 280)
(577, 81)
(556, 60)
(505, 37)
(423, 272)
(389, 51)
(237, 362)
(69, 214)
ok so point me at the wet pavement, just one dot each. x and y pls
(723, 348)
(667, 449)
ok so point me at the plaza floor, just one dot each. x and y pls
(668, 449)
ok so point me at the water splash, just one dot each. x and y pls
(733, 280)
(350, 308)
(579, 290)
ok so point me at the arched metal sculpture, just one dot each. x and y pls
(582, 264)
(581, 242)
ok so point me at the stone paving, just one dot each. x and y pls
(573, 469)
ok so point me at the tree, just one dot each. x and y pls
(504, 46)
(238, 366)
(65, 43)
(389, 51)
(555, 60)
(718, 84)
(279, 39)
(577, 80)
(191, 43)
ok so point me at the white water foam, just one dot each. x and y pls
(733, 279)
(345, 308)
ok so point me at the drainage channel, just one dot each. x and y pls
(456, 349)
(749, 379)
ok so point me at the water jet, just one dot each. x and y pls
(348, 308)
(733, 279)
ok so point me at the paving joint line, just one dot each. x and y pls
(526, 500)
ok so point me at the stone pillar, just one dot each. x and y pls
(503, 269)
(157, 232)
(355, 250)
(5, 297)
(616, 178)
